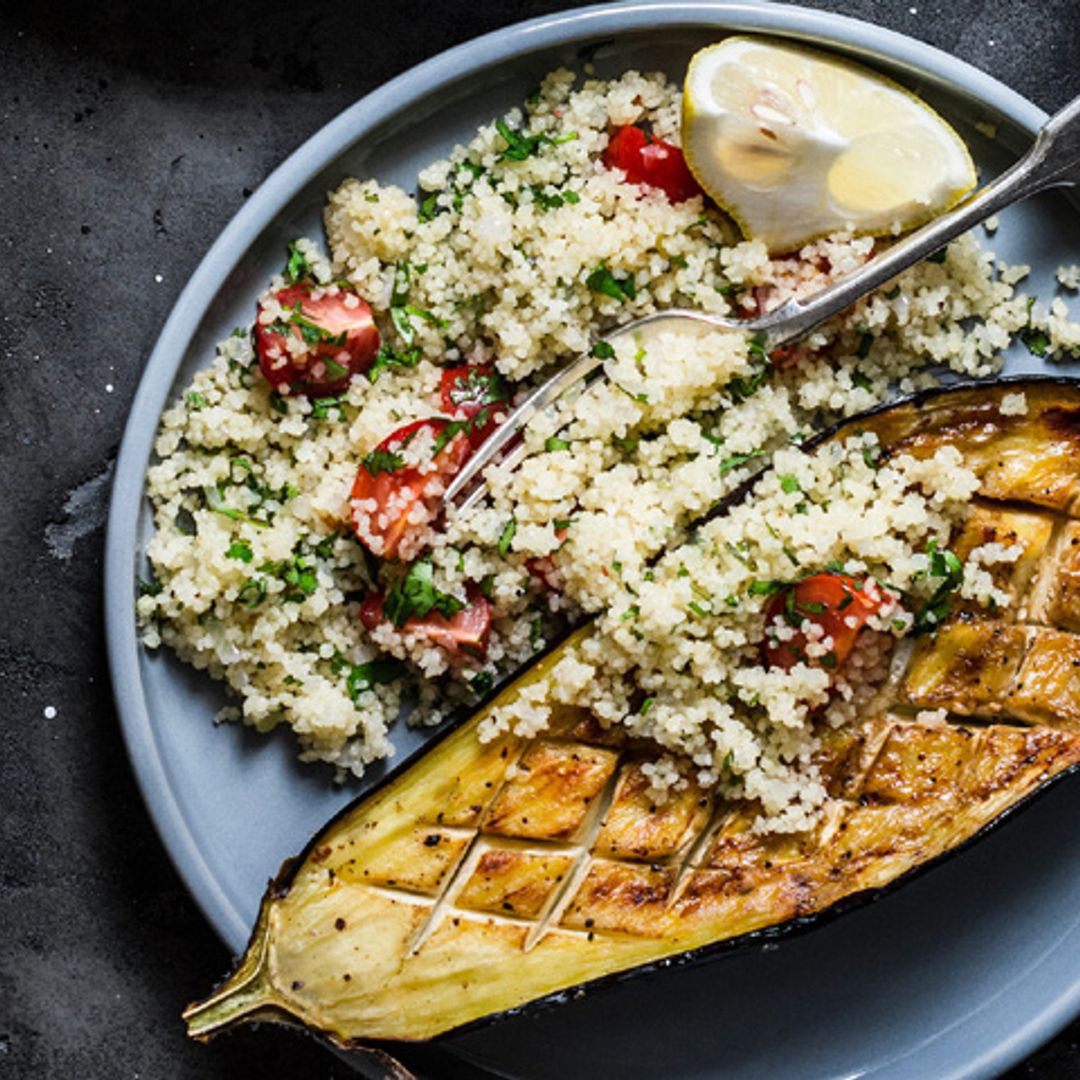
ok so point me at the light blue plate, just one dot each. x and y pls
(959, 974)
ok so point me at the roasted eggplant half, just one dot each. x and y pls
(483, 876)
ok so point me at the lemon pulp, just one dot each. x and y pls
(796, 144)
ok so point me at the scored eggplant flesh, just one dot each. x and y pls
(481, 877)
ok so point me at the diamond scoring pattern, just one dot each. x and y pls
(568, 842)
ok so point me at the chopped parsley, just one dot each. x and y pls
(363, 677)
(196, 401)
(320, 407)
(520, 147)
(240, 549)
(736, 460)
(789, 484)
(871, 454)
(765, 588)
(297, 268)
(949, 570)
(481, 683)
(603, 350)
(938, 256)
(546, 200)
(453, 429)
(429, 207)
(507, 537)
(746, 386)
(1037, 341)
(602, 280)
(298, 575)
(417, 595)
(149, 588)
(866, 342)
(252, 592)
(388, 357)
(554, 443)
(380, 461)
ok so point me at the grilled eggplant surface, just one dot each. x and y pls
(480, 877)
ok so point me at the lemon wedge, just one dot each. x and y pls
(796, 144)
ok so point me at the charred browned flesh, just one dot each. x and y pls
(485, 876)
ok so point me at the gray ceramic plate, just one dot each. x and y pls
(957, 975)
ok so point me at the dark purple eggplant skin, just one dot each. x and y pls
(280, 884)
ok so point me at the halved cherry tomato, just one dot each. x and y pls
(398, 489)
(652, 162)
(832, 601)
(466, 630)
(791, 356)
(332, 338)
(544, 570)
(471, 389)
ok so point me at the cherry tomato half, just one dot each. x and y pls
(831, 600)
(471, 389)
(466, 630)
(544, 570)
(651, 162)
(317, 343)
(406, 497)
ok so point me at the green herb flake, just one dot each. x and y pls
(789, 484)
(507, 537)
(388, 357)
(380, 461)
(297, 268)
(554, 444)
(240, 549)
(520, 146)
(252, 592)
(321, 407)
(148, 588)
(765, 588)
(429, 208)
(363, 677)
(736, 460)
(196, 401)
(646, 705)
(602, 280)
(417, 595)
(603, 350)
(1036, 341)
(481, 683)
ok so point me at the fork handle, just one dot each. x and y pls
(1053, 161)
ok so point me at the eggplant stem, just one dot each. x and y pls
(250, 990)
(233, 1003)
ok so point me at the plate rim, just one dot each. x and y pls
(266, 203)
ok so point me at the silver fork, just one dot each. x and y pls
(1052, 161)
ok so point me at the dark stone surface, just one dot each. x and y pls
(130, 136)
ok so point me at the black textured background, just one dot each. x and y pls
(130, 135)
